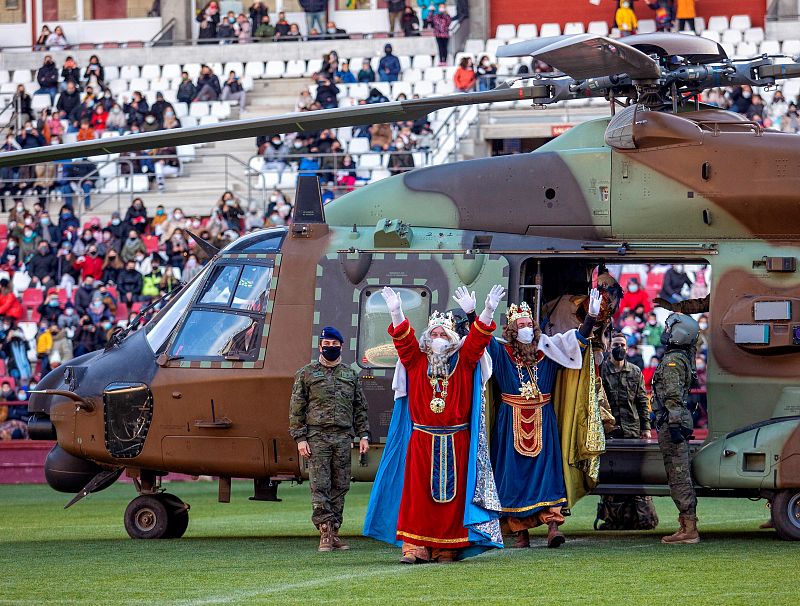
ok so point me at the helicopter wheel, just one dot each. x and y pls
(178, 513)
(786, 514)
(147, 517)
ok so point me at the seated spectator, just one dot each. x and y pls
(166, 166)
(132, 247)
(487, 74)
(253, 219)
(257, 12)
(409, 22)
(56, 41)
(158, 219)
(177, 249)
(625, 19)
(41, 40)
(136, 110)
(191, 268)
(244, 33)
(51, 128)
(366, 73)
(99, 118)
(45, 180)
(389, 66)
(70, 72)
(62, 346)
(208, 18)
(47, 77)
(159, 106)
(346, 174)
(50, 309)
(208, 88)
(115, 119)
(112, 266)
(332, 32)
(87, 337)
(292, 35)
(233, 90)
(129, 283)
(304, 101)
(464, 78)
(42, 267)
(226, 30)
(756, 108)
(70, 99)
(282, 27)
(44, 345)
(275, 156)
(265, 30)
(326, 93)
(380, 137)
(21, 103)
(95, 74)
(10, 305)
(344, 75)
(90, 264)
(154, 281)
(136, 217)
(309, 164)
(187, 91)
(376, 96)
(150, 123)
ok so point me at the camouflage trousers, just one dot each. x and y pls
(676, 463)
(329, 472)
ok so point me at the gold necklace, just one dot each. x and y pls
(438, 403)
(529, 389)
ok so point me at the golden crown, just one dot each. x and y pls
(439, 319)
(515, 311)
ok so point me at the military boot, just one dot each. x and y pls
(555, 538)
(325, 537)
(522, 539)
(444, 556)
(687, 534)
(336, 541)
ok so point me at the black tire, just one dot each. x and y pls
(178, 512)
(786, 514)
(147, 517)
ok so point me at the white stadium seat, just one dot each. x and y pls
(288, 180)
(186, 153)
(791, 47)
(22, 76)
(646, 26)
(254, 69)
(412, 75)
(140, 84)
(445, 87)
(740, 22)
(422, 61)
(526, 31)
(150, 71)
(401, 87)
(171, 70)
(370, 160)
(4, 76)
(423, 88)
(181, 109)
(506, 31)
(160, 84)
(236, 66)
(295, 68)
(492, 44)
(315, 65)
(269, 179)
(129, 72)
(193, 69)
(711, 35)
(140, 183)
(247, 83)
(221, 109)
(754, 34)
(116, 185)
(405, 62)
(118, 87)
(700, 24)
(111, 72)
(170, 96)
(599, 28)
(379, 174)
(549, 29)
(206, 120)
(732, 36)
(217, 69)
(730, 49)
(40, 102)
(718, 23)
(199, 109)
(475, 47)
(274, 69)
(574, 27)
(746, 50)
(770, 47)
(358, 145)
(433, 74)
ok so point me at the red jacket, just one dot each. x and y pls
(90, 266)
(10, 306)
(631, 300)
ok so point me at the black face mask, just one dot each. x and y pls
(618, 353)
(331, 352)
(665, 338)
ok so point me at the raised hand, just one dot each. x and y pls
(493, 298)
(392, 299)
(595, 299)
(465, 299)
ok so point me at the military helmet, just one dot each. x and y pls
(680, 330)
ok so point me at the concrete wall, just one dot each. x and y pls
(96, 31)
(283, 51)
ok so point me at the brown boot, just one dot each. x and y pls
(687, 534)
(444, 556)
(414, 554)
(555, 538)
(522, 539)
(325, 537)
(336, 541)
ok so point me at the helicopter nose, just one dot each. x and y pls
(67, 473)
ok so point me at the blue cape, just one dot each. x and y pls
(384, 500)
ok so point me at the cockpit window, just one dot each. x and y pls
(207, 335)
(253, 288)
(266, 241)
(221, 286)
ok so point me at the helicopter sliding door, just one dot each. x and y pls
(211, 371)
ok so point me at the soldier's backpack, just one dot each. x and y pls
(625, 512)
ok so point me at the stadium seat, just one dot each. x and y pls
(40, 102)
(526, 31)
(274, 69)
(199, 109)
(254, 69)
(445, 87)
(740, 22)
(474, 46)
(599, 28)
(574, 27)
(256, 164)
(221, 109)
(118, 87)
(423, 88)
(295, 68)
(315, 65)
(115, 185)
(22, 76)
(730, 49)
(746, 50)
(384, 87)
(422, 61)
(139, 184)
(411, 75)
(732, 36)
(129, 72)
(216, 67)
(492, 44)
(379, 174)
(358, 145)
(140, 84)
(181, 109)
(288, 180)
(791, 47)
(646, 26)
(269, 180)
(247, 83)
(150, 243)
(549, 29)
(233, 66)
(193, 69)
(754, 34)
(401, 87)
(718, 23)
(344, 133)
(770, 47)
(170, 96)
(207, 120)
(108, 170)
(711, 35)
(370, 160)
(506, 31)
(186, 153)
(171, 70)
(160, 84)
(4, 76)
(433, 74)
(150, 71)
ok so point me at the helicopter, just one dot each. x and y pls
(204, 386)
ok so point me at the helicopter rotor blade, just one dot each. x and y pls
(207, 247)
(588, 56)
(392, 111)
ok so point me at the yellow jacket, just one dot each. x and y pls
(44, 343)
(626, 19)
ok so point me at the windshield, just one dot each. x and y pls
(161, 326)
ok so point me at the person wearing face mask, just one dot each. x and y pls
(42, 267)
(526, 448)
(400, 161)
(426, 490)
(441, 20)
(674, 281)
(208, 88)
(47, 77)
(326, 411)
(389, 66)
(635, 296)
(624, 386)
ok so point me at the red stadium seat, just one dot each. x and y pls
(32, 296)
(3, 244)
(137, 307)
(2, 367)
(3, 231)
(11, 381)
(623, 279)
(150, 243)
(122, 312)
(112, 290)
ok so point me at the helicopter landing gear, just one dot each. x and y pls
(156, 516)
(786, 514)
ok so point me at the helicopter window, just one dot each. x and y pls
(253, 288)
(212, 334)
(375, 347)
(267, 241)
(159, 329)
(221, 286)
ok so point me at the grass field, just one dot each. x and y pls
(252, 552)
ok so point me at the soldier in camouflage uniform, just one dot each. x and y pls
(328, 409)
(623, 385)
(671, 382)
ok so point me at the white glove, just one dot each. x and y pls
(595, 299)
(492, 301)
(393, 303)
(465, 299)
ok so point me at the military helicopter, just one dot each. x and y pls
(204, 387)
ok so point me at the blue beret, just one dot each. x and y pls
(329, 332)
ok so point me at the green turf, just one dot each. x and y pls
(251, 552)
